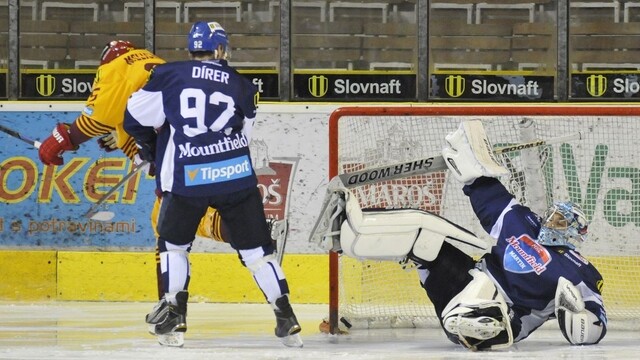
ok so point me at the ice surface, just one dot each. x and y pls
(116, 331)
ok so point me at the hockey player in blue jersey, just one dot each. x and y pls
(533, 273)
(193, 119)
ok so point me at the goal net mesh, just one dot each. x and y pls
(601, 172)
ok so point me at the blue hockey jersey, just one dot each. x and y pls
(526, 272)
(201, 114)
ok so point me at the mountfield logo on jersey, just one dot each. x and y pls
(524, 255)
(226, 144)
(217, 172)
(596, 85)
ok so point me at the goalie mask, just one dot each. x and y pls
(208, 37)
(563, 224)
(114, 49)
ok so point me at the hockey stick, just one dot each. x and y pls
(93, 212)
(36, 144)
(396, 171)
(431, 164)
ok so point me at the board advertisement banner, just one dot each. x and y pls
(42, 207)
(78, 84)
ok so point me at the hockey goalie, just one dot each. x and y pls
(533, 272)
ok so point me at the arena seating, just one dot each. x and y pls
(464, 34)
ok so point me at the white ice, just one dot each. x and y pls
(116, 331)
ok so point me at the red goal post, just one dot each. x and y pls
(602, 171)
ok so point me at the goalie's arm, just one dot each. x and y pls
(581, 323)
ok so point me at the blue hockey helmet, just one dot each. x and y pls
(563, 224)
(207, 36)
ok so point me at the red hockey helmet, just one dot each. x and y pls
(114, 49)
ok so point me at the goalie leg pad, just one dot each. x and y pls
(478, 317)
(393, 234)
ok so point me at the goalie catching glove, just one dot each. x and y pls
(470, 154)
(578, 325)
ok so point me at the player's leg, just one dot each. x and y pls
(212, 227)
(160, 309)
(243, 212)
(177, 223)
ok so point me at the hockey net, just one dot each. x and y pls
(601, 172)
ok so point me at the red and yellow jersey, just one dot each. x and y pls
(114, 83)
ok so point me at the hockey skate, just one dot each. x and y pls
(171, 327)
(156, 315)
(478, 329)
(481, 328)
(287, 326)
(278, 230)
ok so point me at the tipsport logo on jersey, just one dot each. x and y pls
(275, 176)
(525, 255)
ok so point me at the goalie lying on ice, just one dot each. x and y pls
(532, 274)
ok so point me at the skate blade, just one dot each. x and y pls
(292, 341)
(173, 339)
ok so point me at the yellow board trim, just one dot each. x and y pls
(130, 276)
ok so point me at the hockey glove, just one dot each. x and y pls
(578, 325)
(108, 142)
(469, 154)
(52, 148)
(149, 169)
(147, 151)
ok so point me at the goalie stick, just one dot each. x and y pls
(93, 212)
(431, 164)
(401, 170)
(36, 144)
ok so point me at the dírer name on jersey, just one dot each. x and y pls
(207, 73)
